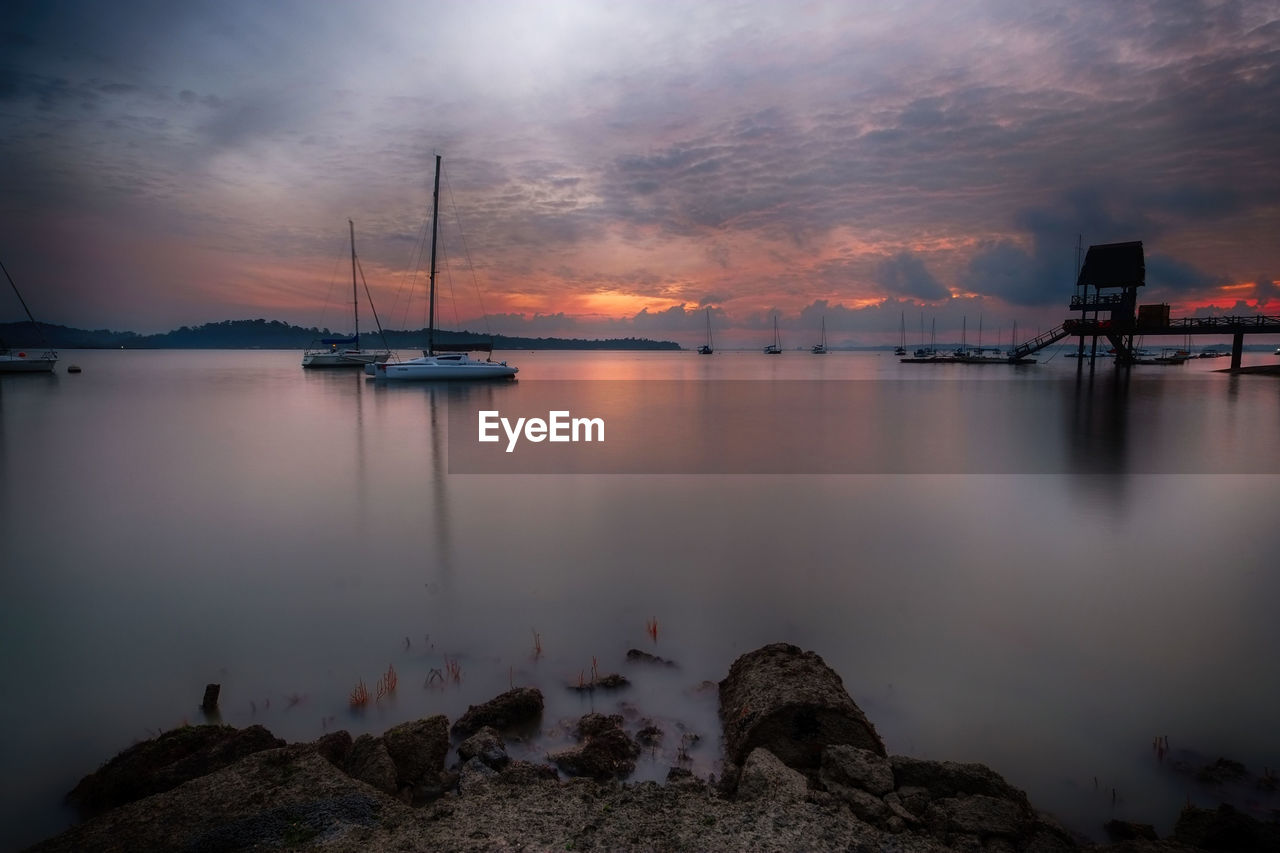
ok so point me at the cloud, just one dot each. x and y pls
(904, 274)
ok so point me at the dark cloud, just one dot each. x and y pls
(905, 274)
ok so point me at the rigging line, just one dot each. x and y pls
(409, 278)
(448, 274)
(333, 279)
(466, 249)
(25, 308)
(369, 296)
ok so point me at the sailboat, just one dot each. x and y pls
(708, 348)
(346, 352)
(443, 361)
(901, 348)
(820, 348)
(20, 362)
(774, 348)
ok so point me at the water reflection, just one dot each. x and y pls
(1097, 436)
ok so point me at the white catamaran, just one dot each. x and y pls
(442, 361)
(346, 352)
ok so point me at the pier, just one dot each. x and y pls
(1107, 298)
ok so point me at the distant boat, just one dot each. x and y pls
(346, 352)
(774, 348)
(445, 362)
(20, 361)
(820, 348)
(708, 348)
(901, 348)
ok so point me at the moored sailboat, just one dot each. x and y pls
(20, 361)
(774, 348)
(820, 348)
(442, 362)
(708, 348)
(346, 352)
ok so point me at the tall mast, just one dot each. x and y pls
(431, 311)
(355, 298)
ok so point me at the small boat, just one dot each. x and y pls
(1212, 352)
(1166, 356)
(708, 348)
(346, 352)
(21, 361)
(820, 348)
(774, 348)
(445, 362)
(901, 348)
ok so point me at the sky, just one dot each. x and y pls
(618, 169)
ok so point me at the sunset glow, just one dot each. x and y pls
(610, 170)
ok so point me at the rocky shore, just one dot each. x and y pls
(804, 770)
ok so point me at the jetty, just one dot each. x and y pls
(1106, 296)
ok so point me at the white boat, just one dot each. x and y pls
(820, 348)
(708, 348)
(441, 362)
(21, 361)
(774, 348)
(346, 352)
(901, 348)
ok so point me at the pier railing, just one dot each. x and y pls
(1039, 342)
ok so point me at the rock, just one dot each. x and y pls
(527, 773)
(900, 810)
(679, 774)
(860, 768)
(335, 747)
(792, 704)
(981, 815)
(950, 779)
(612, 681)
(1123, 830)
(637, 656)
(914, 798)
(1227, 829)
(1222, 771)
(650, 735)
(270, 800)
(605, 752)
(513, 708)
(165, 762)
(370, 763)
(418, 749)
(486, 745)
(765, 777)
(474, 773)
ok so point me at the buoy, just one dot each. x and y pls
(73, 368)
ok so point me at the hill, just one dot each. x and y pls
(264, 334)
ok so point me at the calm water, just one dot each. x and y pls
(169, 519)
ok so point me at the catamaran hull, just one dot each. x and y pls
(393, 372)
(343, 359)
(13, 364)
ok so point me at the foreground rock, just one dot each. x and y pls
(393, 791)
(605, 751)
(166, 762)
(517, 707)
(791, 703)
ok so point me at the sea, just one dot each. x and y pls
(1057, 570)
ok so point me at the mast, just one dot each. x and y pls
(355, 297)
(435, 216)
(23, 302)
(709, 343)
